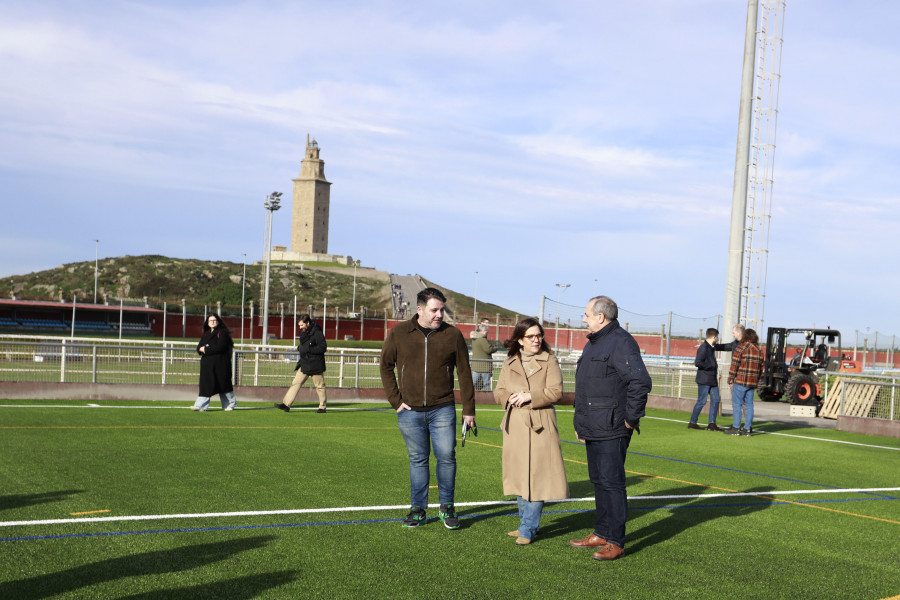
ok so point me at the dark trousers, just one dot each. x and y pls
(606, 468)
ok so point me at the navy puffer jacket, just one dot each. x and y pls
(611, 385)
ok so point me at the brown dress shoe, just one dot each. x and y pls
(591, 541)
(514, 534)
(713, 427)
(522, 541)
(609, 552)
(694, 426)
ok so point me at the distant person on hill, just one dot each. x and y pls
(417, 363)
(707, 381)
(482, 349)
(312, 347)
(530, 384)
(214, 349)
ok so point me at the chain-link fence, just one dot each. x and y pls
(671, 323)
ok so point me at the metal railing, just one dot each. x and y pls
(866, 395)
(107, 361)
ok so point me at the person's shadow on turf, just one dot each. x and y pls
(683, 513)
(21, 500)
(155, 562)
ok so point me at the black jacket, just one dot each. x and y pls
(312, 349)
(707, 367)
(215, 362)
(611, 385)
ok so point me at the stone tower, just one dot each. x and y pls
(312, 199)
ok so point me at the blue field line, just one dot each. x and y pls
(733, 470)
(432, 519)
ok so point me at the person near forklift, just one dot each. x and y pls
(738, 333)
(743, 377)
(821, 355)
(707, 381)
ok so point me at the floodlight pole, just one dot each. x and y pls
(272, 203)
(732, 309)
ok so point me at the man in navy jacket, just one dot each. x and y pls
(707, 381)
(611, 387)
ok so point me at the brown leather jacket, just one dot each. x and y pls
(424, 366)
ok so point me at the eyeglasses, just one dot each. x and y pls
(537, 336)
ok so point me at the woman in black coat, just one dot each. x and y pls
(312, 349)
(214, 349)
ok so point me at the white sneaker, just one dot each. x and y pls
(227, 408)
(197, 408)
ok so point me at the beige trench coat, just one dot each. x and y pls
(532, 456)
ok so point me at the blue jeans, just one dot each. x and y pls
(227, 399)
(702, 391)
(484, 378)
(529, 517)
(421, 431)
(742, 397)
(606, 469)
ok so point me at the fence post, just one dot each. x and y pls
(843, 392)
(94, 364)
(356, 383)
(62, 362)
(669, 340)
(893, 390)
(164, 364)
(341, 370)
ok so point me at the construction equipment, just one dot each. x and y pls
(796, 379)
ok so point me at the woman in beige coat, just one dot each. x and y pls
(530, 382)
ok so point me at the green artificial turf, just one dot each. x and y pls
(119, 459)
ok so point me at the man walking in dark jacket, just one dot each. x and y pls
(611, 387)
(707, 381)
(312, 347)
(417, 363)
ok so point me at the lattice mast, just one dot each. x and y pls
(769, 41)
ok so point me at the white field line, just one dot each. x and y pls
(401, 507)
(802, 437)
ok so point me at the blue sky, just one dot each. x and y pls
(534, 142)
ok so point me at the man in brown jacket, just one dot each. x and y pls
(417, 363)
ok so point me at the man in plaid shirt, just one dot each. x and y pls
(746, 368)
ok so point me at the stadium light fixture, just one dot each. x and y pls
(272, 203)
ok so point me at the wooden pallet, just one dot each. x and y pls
(858, 399)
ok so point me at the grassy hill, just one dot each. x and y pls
(203, 283)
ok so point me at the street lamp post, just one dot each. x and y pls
(561, 286)
(272, 203)
(96, 267)
(243, 288)
(475, 309)
(353, 310)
